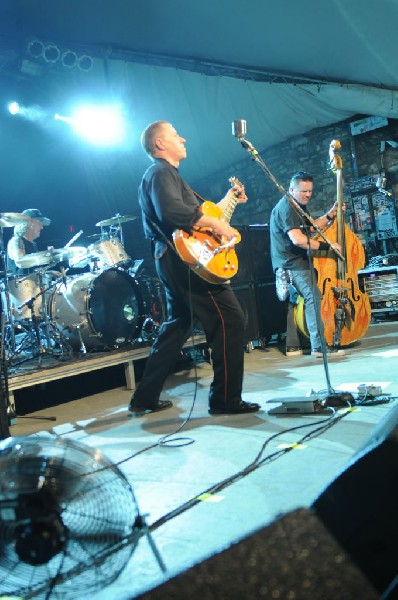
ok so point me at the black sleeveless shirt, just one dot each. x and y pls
(30, 248)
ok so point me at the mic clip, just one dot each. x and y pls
(247, 145)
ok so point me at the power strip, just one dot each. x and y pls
(369, 390)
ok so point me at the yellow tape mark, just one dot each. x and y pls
(210, 498)
(296, 446)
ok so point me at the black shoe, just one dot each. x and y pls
(235, 409)
(139, 410)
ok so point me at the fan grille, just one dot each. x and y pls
(93, 500)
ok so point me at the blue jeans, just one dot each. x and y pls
(305, 284)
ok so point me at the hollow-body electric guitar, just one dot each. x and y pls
(209, 255)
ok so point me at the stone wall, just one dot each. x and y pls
(360, 157)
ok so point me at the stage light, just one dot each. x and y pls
(13, 108)
(52, 53)
(35, 48)
(102, 125)
(69, 59)
(85, 63)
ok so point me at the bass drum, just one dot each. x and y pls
(101, 310)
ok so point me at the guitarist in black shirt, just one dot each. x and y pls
(168, 204)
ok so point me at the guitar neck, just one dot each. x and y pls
(229, 210)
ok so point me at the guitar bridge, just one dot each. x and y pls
(205, 256)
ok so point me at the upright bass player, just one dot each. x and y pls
(291, 246)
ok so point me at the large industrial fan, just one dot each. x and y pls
(69, 521)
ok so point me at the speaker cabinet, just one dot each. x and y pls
(271, 312)
(294, 557)
(247, 299)
(265, 315)
(360, 508)
(254, 254)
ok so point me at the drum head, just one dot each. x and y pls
(115, 307)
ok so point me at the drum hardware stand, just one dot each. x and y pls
(4, 391)
(8, 332)
(51, 332)
(82, 349)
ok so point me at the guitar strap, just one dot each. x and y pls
(198, 196)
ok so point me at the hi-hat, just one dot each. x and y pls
(10, 219)
(116, 220)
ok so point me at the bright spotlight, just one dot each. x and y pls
(102, 125)
(13, 108)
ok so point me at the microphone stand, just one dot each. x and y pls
(333, 398)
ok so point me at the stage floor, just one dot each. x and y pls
(206, 453)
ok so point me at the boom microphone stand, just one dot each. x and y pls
(333, 398)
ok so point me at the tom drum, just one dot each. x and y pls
(107, 253)
(101, 310)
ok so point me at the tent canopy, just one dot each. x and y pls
(284, 67)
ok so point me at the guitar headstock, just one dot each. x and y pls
(234, 181)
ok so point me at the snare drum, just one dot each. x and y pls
(105, 308)
(107, 253)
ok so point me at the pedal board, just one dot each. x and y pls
(303, 405)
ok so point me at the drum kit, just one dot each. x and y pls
(48, 311)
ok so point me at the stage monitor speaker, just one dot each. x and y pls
(294, 557)
(360, 508)
(247, 299)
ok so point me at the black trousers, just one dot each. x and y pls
(190, 297)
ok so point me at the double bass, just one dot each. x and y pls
(345, 309)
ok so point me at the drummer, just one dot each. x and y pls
(23, 240)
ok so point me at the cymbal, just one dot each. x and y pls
(52, 255)
(116, 220)
(10, 219)
(36, 259)
(72, 250)
(59, 254)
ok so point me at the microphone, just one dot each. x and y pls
(239, 128)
